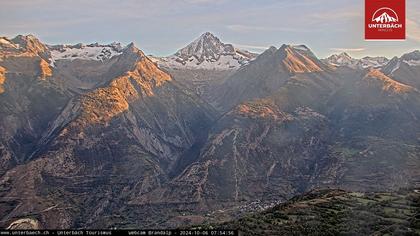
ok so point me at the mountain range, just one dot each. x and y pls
(94, 136)
(344, 59)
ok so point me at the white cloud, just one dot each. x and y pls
(348, 49)
(251, 47)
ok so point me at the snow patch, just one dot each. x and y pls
(396, 67)
(84, 52)
(413, 62)
(224, 62)
(301, 47)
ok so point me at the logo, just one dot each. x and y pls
(384, 19)
(385, 15)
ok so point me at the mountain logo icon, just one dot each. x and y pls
(385, 15)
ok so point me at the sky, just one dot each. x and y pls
(161, 27)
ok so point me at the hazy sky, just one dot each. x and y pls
(160, 27)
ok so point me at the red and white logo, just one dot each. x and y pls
(384, 19)
(384, 15)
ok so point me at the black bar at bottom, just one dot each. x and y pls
(174, 232)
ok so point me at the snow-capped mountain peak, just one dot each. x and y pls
(206, 47)
(344, 59)
(207, 52)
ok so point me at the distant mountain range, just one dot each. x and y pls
(344, 59)
(94, 136)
